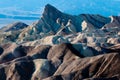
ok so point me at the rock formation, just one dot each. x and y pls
(13, 27)
(60, 46)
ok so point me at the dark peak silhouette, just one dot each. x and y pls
(50, 9)
(51, 12)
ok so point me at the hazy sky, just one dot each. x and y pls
(104, 7)
(34, 8)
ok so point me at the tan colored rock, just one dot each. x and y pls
(42, 69)
(113, 40)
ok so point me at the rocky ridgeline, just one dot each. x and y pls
(60, 46)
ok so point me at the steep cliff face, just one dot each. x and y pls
(52, 16)
(54, 22)
(60, 46)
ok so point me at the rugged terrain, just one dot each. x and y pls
(60, 46)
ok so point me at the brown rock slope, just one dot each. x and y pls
(60, 62)
(102, 66)
(60, 46)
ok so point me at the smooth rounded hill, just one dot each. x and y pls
(14, 26)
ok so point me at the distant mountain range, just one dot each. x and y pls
(17, 10)
(27, 17)
(75, 7)
(6, 19)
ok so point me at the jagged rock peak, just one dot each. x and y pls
(51, 12)
(49, 8)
